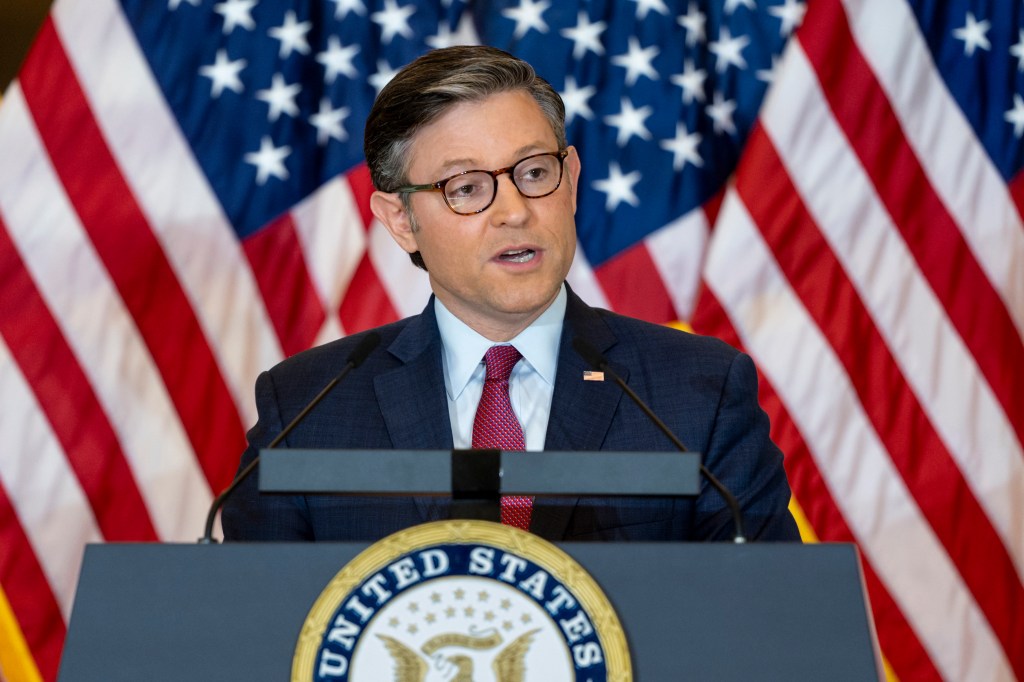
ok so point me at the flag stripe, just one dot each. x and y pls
(1016, 188)
(45, 494)
(291, 298)
(930, 232)
(904, 308)
(333, 254)
(362, 189)
(793, 355)
(631, 282)
(69, 403)
(29, 593)
(64, 267)
(957, 164)
(366, 303)
(132, 255)
(677, 252)
(926, 467)
(897, 639)
(171, 191)
(584, 282)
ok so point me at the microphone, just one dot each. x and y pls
(355, 358)
(599, 362)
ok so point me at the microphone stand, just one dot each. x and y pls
(599, 362)
(365, 347)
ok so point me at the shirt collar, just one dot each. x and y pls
(464, 348)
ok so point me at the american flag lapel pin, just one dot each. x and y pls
(593, 376)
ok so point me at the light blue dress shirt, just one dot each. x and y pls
(532, 382)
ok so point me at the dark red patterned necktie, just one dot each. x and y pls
(496, 426)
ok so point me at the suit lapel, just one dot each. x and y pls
(415, 408)
(581, 411)
(412, 396)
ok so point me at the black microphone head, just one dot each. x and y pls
(589, 353)
(363, 349)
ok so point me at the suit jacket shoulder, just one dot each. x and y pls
(395, 399)
(702, 388)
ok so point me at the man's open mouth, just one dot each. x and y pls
(518, 256)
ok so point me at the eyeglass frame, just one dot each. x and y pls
(439, 186)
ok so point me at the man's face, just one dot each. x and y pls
(497, 270)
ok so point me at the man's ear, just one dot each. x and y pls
(572, 166)
(390, 210)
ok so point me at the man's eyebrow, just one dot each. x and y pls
(535, 148)
(452, 166)
(458, 165)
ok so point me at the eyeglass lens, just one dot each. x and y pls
(474, 191)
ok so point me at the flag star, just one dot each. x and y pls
(728, 50)
(683, 147)
(441, 39)
(292, 35)
(1018, 51)
(529, 15)
(383, 76)
(174, 4)
(637, 61)
(973, 35)
(236, 13)
(768, 75)
(269, 161)
(731, 5)
(393, 20)
(464, 34)
(630, 122)
(693, 22)
(577, 100)
(224, 74)
(720, 112)
(1016, 116)
(585, 36)
(281, 97)
(645, 6)
(618, 187)
(337, 59)
(791, 14)
(691, 81)
(343, 7)
(327, 122)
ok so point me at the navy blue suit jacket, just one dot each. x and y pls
(702, 388)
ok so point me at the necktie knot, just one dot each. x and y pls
(499, 361)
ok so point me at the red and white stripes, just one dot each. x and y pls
(868, 255)
(861, 276)
(135, 322)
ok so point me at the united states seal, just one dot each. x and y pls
(462, 601)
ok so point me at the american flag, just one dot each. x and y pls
(832, 186)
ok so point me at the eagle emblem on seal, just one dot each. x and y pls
(435, 665)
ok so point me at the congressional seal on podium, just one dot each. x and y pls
(462, 600)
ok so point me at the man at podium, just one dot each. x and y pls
(475, 180)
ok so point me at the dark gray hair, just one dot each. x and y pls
(427, 87)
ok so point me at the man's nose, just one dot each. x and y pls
(509, 204)
(507, 192)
